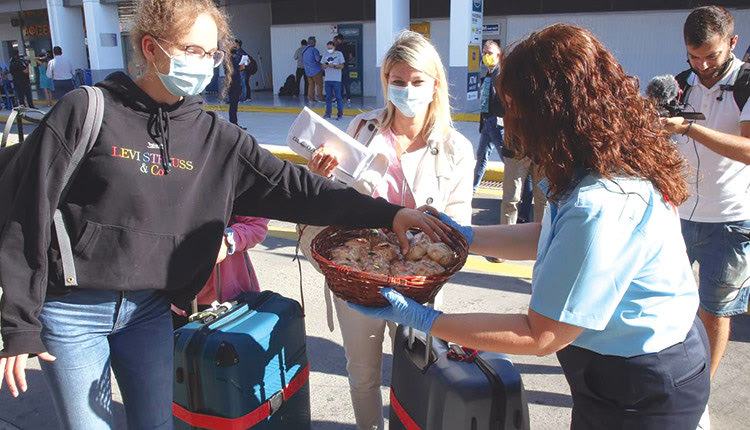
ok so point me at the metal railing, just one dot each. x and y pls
(19, 115)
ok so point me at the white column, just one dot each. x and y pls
(66, 28)
(104, 41)
(391, 18)
(465, 52)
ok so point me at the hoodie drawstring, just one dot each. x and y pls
(162, 137)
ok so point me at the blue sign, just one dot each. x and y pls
(491, 29)
(476, 6)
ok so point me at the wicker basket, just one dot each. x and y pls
(363, 288)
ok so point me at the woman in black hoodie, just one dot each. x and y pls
(146, 213)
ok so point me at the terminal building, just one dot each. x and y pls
(645, 35)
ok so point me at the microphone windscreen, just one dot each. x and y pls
(663, 89)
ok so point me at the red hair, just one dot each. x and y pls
(572, 110)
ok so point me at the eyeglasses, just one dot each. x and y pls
(196, 52)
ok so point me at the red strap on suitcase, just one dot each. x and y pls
(402, 415)
(246, 421)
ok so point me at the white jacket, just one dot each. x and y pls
(443, 178)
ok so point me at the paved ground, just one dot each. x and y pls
(480, 287)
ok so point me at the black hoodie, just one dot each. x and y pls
(149, 204)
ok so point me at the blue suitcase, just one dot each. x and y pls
(438, 386)
(245, 368)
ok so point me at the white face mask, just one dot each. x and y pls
(186, 78)
(330, 51)
(410, 100)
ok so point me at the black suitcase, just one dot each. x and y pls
(466, 391)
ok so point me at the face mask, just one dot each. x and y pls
(489, 60)
(330, 51)
(411, 100)
(185, 77)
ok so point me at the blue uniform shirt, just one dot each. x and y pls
(611, 259)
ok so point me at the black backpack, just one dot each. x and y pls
(740, 88)
(288, 89)
(252, 66)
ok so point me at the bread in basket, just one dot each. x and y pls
(351, 283)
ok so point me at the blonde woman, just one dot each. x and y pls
(430, 164)
(147, 217)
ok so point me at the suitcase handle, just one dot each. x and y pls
(428, 343)
(422, 360)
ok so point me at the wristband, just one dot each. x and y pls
(690, 124)
(229, 238)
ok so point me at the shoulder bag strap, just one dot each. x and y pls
(89, 133)
(742, 86)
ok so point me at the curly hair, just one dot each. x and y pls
(572, 110)
(170, 19)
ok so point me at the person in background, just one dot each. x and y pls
(300, 74)
(716, 216)
(313, 71)
(60, 70)
(348, 53)
(246, 88)
(491, 129)
(516, 181)
(234, 273)
(430, 163)
(235, 87)
(45, 83)
(19, 69)
(612, 293)
(333, 63)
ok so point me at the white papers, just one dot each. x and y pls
(310, 131)
(245, 60)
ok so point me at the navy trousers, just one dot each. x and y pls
(666, 390)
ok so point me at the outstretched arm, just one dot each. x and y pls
(728, 145)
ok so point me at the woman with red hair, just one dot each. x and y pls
(613, 293)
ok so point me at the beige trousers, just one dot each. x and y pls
(363, 344)
(314, 82)
(513, 177)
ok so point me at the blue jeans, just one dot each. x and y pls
(722, 250)
(492, 135)
(89, 331)
(334, 88)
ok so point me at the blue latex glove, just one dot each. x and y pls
(466, 230)
(402, 310)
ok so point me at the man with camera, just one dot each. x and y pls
(333, 63)
(716, 217)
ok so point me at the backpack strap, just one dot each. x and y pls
(8, 125)
(682, 82)
(89, 134)
(741, 86)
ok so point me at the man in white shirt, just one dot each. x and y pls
(60, 70)
(716, 217)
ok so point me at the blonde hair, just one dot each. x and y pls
(417, 52)
(172, 19)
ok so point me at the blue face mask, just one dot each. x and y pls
(186, 78)
(410, 100)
